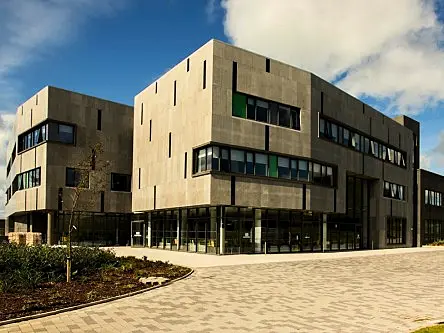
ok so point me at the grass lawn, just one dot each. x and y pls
(431, 329)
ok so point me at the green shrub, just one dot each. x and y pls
(26, 267)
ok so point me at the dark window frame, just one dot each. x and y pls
(73, 180)
(117, 178)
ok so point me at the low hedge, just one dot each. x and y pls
(26, 267)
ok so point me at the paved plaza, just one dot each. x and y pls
(376, 291)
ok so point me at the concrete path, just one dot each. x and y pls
(372, 292)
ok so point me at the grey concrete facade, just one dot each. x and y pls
(93, 120)
(191, 106)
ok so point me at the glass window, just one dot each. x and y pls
(321, 127)
(346, 137)
(251, 109)
(391, 155)
(401, 192)
(295, 119)
(66, 133)
(355, 141)
(384, 153)
(330, 176)
(317, 175)
(303, 170)
(237, 161)
(216, 157)
(283, 167)
(37, 177)
(37, 138)
(334, 132)
(120, 182)
(273, 113)
(225, 161)
(366, 145)
(272, 171)
(294, 169)
(209, 158)
(44, 132)
(341, 134)
(387, 189)
(393, 189)
(284, 116)
(261, 165)
(261, 111)
(74, 178)
(239, 105)
(250, 164)
(201, 160)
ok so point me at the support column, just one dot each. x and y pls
(324, 232)
(50, 219)
(178, 230)
(257, 231)
(222, 232)
(148, 230)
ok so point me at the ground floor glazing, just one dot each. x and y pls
(234, 230)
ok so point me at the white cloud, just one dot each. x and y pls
(210, 9)
(389, 49)
(425, 161)
(29, 30)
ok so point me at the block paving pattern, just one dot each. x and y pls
(387, 293)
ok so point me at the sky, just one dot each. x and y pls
(388, 53)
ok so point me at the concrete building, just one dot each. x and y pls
(238, 153)
(55, 130)
(430, 206)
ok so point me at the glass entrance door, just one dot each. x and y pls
(138, 236)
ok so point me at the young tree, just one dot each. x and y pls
(90, 179)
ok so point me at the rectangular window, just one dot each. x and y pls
(37, 99)
(394, 191)
(272, 171)
(267, 65)
(215, 159)
(174, 93)
(346, 137)
(225, 160)
(65, 134)
(433, 198)
(155, 89)
(273, 113)
(261, 111)
(317, 175)
(239, 105)
(261, 165)
(251, 108)
(120, 182)
(204, 79)
(396, 230)
(209, 158)
(250, 164)
(201, 160)
(169, 145)
(237, 161)
(188, 64)
(140, 174)
(284, 116)
(99, 120)
(284, 167)
(295, 119)
(77, 178)
(294, 169)
(303, 170)
(185, 166)
(141, 114)
(234, 77)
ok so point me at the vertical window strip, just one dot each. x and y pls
(99, 120)
(174, 93)
(169, 145)
(204, 83)
(141, 114)
(150, 128)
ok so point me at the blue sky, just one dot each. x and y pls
(387, 52)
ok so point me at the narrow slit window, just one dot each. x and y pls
(174, 93)
(99, 120)
(204, 83)
(169, 145)
(151, 123)
(185, 167)
(188, 64)
(141, 114)
(139, 177)
(156, 88)
(267, 65)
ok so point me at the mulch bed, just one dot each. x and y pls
(103, 284)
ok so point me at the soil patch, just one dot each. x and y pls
(105, 283)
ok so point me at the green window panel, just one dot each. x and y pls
(273, 171)
(239, 105)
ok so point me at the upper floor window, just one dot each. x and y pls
(351, 138)
(27, 179)
(48, 131)
(394, 191)
(77, 178)
(254, 108)
(262, 164)
(120, 182)
(433, 198)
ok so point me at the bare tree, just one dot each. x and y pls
(91, 178)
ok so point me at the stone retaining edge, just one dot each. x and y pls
(81, 306)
